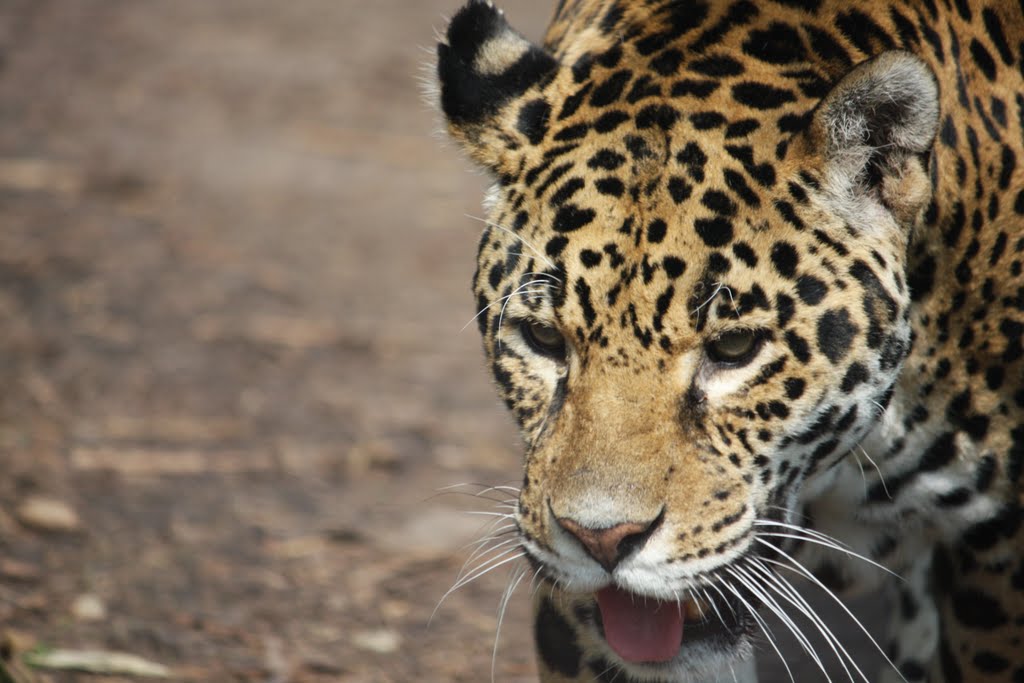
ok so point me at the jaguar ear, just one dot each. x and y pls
(482, 66)
(874, 131)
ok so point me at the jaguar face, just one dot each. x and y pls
(679, 369)
(692, 323)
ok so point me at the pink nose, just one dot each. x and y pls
(610, 545)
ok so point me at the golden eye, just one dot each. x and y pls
(544, 339)
(735, 347)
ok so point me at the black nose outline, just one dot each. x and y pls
(610, 545)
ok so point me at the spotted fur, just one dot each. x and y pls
(838, 182)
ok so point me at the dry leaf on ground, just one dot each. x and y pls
(97, 662)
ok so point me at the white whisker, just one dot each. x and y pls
(501, 314)
(503, 605)
(714, 604)
(807, 573)
(762, 624)
(832, 546)
(863, 474)
(526, 242)
(777, 610)
(491, 535)
(791, 595)
(535, 585)
(484, 550)
(719, 287)
(505, 299)
(877, 469)
(490, 565)
(487, 565)
(801, 530)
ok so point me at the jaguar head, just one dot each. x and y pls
(693, 298)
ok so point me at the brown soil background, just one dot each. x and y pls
(234, 267)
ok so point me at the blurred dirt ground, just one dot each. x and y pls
(234, 269)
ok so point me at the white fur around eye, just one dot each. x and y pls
(718, 383)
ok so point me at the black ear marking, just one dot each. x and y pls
(485, 63)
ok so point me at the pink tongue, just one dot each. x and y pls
(640, 629)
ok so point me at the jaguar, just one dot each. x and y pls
(750, 284)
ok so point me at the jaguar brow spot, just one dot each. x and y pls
(610, 186)
(657, 115)
(785, 307)
(533, 120)
(745, 253)
(643, 88)
(715, 232)
(707, 120)
(785, 259)
(610, 90)
(799, 346)
(571, 218)
(735, 181)
(717, 66)
(611, 57)
(566, 191)
(606, 159)
(697, 88)
(674, 266)
(836, 333)
(738, 129)
(656, 231)
(667, 62)
(811, 290)
(679, 189)
(762, 95)
(573, 132)
(777, 44)
(719, 202)
(590, 259)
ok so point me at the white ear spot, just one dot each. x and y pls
(499, 53)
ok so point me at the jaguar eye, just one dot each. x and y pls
(544, 339)
(736, 347)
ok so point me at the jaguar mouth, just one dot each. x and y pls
(644, 630)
